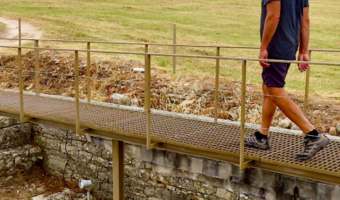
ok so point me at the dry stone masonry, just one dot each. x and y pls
(149, 175)
(16, 155)
(157, 175)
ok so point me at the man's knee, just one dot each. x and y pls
(275, 93)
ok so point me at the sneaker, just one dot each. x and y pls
(313, 146)
(252, 141)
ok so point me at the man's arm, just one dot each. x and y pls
(270, 26)
(304, 40)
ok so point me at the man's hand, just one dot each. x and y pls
(303, 57)
(264, 55)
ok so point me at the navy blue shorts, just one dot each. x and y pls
(275, 74)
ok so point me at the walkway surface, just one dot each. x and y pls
(196, 134)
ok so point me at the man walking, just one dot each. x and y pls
(284, 30)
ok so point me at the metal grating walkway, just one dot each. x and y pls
(218, 138)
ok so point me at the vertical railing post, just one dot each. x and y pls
(307, 85)
(174, 49)
(118, 169)
(19, 28)
(21, 90)
(243, 108)
(76, 81)
(148, 100)
(88, 74)
(217, 83)
(37, 68)
(146, 56)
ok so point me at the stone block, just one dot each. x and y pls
(184, 162)
(210, 168)
(254, 178)
(178, 196)
(133, 151)
(307, 189)
(224, 170)
(270, 195)
(164, 158)
(324, 191)
(146, 155)
(239, 176)
(55, 163)
(206, 188)
(137, 184)
(18, 161)
(272, 182)
(197, 165)
(224, 194)
(149, 191)
(288, 185)
(163, 194)
(336, 193)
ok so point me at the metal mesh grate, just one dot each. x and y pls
(199, 134)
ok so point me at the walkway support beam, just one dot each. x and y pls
(76, 81)
(147, 104)
(118, 169)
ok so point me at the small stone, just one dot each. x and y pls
(34, 159)
(223, 193)
(338, 128)
(332, 131)
(138, 70)
(286, 123)
(10, 164)
(316, 112)
(18, 161)
(120, 99)
(295, 127)
(135, 102)
(8, 179)
(325, 129)
(35, 150)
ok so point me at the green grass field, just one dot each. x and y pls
(226, 22)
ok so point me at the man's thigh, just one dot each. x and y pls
(275, 75)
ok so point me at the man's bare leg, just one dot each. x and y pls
(289, 108)
(268, 111)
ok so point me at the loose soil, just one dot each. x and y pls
(33, 183)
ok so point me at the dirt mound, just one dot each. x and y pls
(188, 94)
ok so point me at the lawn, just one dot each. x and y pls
(226, 22)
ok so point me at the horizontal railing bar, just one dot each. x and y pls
(180, 55)
(135, 43)
(325, 50)
(160, 44)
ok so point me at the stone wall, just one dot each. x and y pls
(156, 174)
(16, 154)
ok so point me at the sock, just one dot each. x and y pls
(313, 134)
(260, 136)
